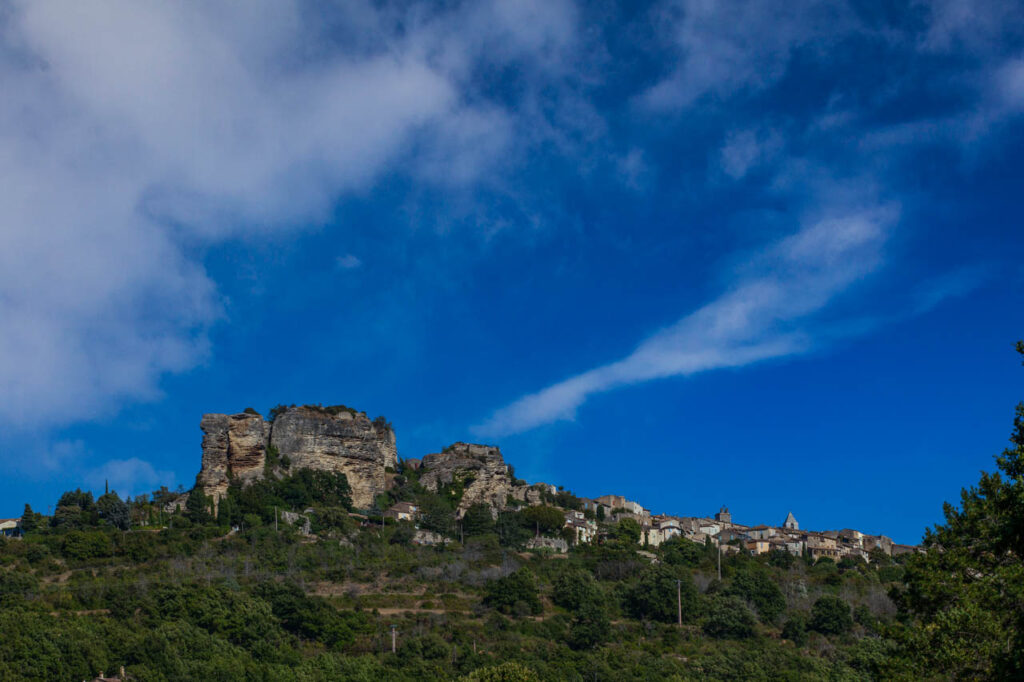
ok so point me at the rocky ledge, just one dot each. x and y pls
(236, 446)
(480, 468)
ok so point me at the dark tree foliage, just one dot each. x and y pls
(277, 410)
(830, 616)
(477, 520)
(511, 530)
(757, 587)
(549, 520)
(113, 511)
(653, 596)
(729, 618)
(589, 627)
(679, 551)
(297, 491)
(30, 520)
(574, 588)
(627, 530)
(967, 591)
(436, 514)
(795, 629)
(75, 509)
(515, 593)
(197, 507)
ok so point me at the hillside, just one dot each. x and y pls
(460, 562)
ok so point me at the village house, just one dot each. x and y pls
(761, 532)
(620, 502)
(10, 528)
(584, 529)
(709, 527)
(403, 511)
(660, 529)
(819, 545)
(757, 547)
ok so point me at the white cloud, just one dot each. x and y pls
(128, 477)
(133, 132)
(746, 149)
(761, 317)
(348, 262)
(724, 48)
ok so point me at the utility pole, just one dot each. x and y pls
(679, 600)
(394, 631)
(275, 518)
(719, 563)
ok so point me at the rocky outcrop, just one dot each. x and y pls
(479, 468)
(235, 447)
(557, 545)
(347, 442)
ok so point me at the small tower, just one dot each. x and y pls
(790, 522)
(723, 515)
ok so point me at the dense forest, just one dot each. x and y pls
(235, 593)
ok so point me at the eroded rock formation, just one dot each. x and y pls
(480, 468)
(332, 439)
(347, 442)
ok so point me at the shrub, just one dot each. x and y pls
(653, 596)
(547, 520)
(508, 593)
(87, 545)
(795, 629)
(506, 672)
(830, 616)
(761, 591)
(729, 617)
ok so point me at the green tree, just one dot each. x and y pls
(30, 520)
(679, 551)
(548, 520)
(967, 591)
(729, 617)
(589, 627)
(627, 530)
(574, 588)
(477, 520)
(514, 593)
(795, 629)
(830, 616)
(436, 515)
(756, 587)
(510, 671)
(511, 529)
(113, 510)
(654, 594)
(197, 507)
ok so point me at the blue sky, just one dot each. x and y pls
(693, 253)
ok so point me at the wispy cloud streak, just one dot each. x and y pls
(762, 316)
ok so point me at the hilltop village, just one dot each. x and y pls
(245, 447)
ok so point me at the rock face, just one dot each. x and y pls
(480, 468)
(346, 442)
(234, 446)
(330, 439)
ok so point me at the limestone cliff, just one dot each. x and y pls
(331, 439)
(347, 442)
(234, 446)
(480, 468)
